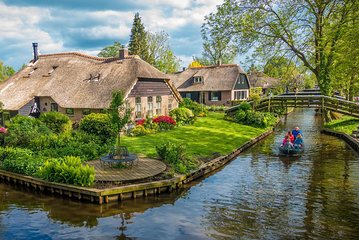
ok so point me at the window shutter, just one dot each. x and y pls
(219, 95)
(209, 95)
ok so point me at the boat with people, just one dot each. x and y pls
(291, 150)
(293, 144)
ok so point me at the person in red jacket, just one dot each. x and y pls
(291, 137)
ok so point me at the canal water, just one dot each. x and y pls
(259, 195)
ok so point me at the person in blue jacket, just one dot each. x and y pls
(296, 131)
(298, 142)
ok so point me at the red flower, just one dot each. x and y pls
(164, 119)
(140, 121)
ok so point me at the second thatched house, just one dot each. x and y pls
(261, 80)
(77, 84)
(213, 85)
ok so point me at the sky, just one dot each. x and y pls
(87, 26)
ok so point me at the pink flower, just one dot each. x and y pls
(3, 130)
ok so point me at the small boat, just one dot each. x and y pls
(289, 150)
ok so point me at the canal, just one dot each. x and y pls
(259, 195)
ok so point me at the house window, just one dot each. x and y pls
(54, 107)
(214, 96)
(70, 111)
(149, 107)
(197, 79)
(86, 112)
(138, 107)
(189, 95)
(240, 95)
(158, 105)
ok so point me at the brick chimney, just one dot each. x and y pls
(123, 53)
(36, 52)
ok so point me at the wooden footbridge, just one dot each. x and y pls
(304, 100)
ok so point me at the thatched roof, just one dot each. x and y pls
(216, 78)
(75, 80)
(259, 79)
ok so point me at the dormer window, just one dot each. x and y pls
(93, 77)
(30, 73)
(198, 79)
(52, 70)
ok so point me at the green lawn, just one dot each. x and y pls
(208, 135)
(345, 124)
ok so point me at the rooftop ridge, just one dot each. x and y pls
(85, 56)
(214, 66)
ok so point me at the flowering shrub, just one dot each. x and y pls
(164, 122)
(141, 121)
(3, 130)
(140, 130)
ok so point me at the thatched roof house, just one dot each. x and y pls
(259, 79)
(77, 84)
(213, 85)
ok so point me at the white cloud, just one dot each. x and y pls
(59, 30)
(19, 27)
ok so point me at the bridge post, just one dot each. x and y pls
(269, 104)
(286, 107)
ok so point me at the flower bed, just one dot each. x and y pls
(150, 126)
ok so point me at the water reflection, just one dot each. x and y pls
(314, 196)
(259, 195)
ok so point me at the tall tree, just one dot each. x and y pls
(308, 30)
(345, 68)
(218, 45)
(120, 115)
(111, 51)
(5, 71)
(138, 39)
(160, 54)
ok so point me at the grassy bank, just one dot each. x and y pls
(345, 124)
(208, 135)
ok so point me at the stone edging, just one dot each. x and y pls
(132, 191)
(347, 138)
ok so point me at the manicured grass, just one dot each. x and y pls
(208, 135)
(345, 124)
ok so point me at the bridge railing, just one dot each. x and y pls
(305, 101)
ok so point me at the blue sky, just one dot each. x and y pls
(89, 25)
